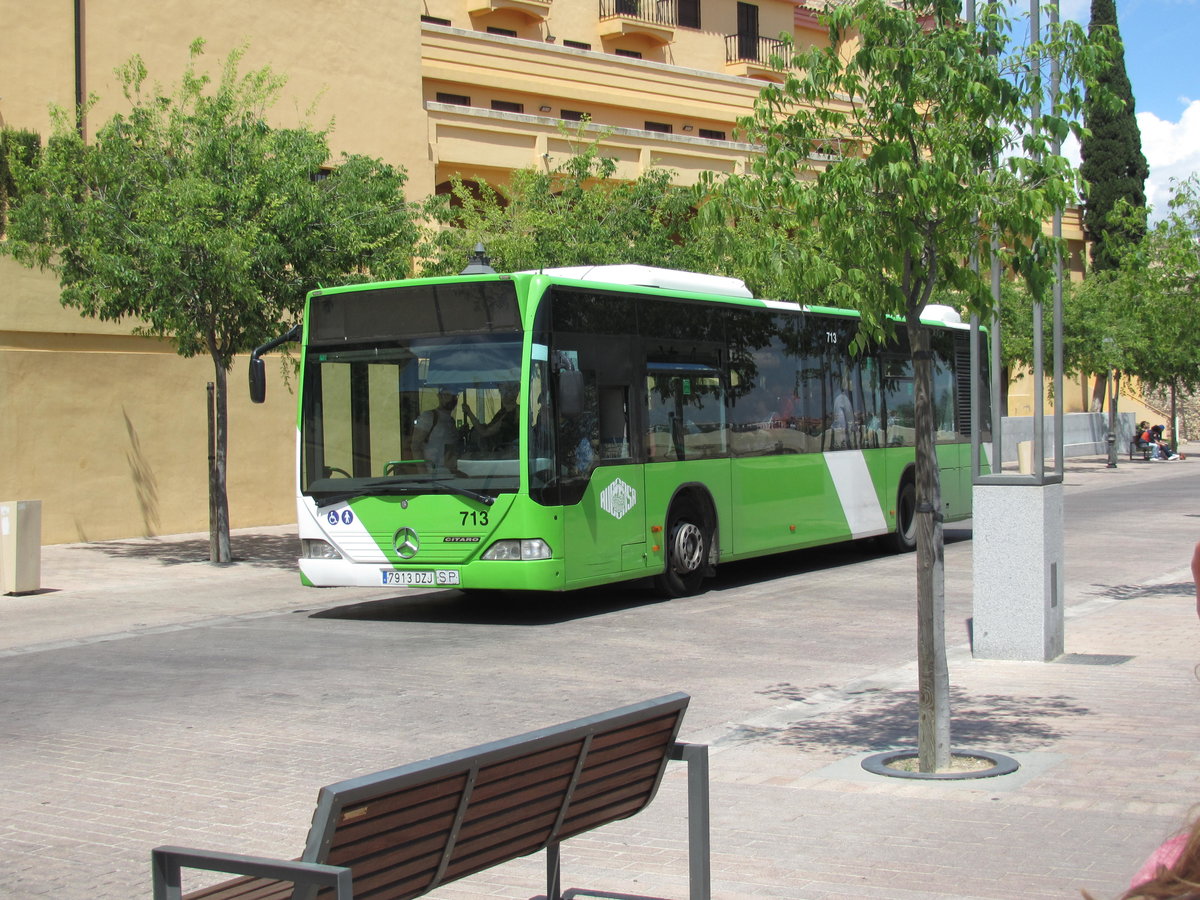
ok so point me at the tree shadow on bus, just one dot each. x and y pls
(523, 608)
(745, 573)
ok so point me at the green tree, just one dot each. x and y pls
(1113, 164)
(24, 146)
(192, 216)
(1160, 279)
(573, 214)
(918, 109)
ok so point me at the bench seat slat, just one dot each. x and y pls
(245, 889)
(408, 798)
(394, 876)
(594, 819)
(552, 758)
(397, 826)
(655, 726)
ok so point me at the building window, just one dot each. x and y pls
(632, 54)
(455, 99)
(573, 115)
(578, 45)
(434, 20)
(507, 32)
(506, 106)
(661, 127)
(712, 135)
(689, 13)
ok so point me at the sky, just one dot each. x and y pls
(1160, 37)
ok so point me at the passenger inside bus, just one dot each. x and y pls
(436, 435)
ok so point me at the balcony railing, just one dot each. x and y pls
(655, 12)
(751, 48)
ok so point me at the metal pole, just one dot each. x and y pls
(1056, 144)
(213, 537)
(1112, 418)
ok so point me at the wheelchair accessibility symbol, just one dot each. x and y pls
(345, 517)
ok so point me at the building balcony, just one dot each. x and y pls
(654, 19)
(533, 9)
(749, 55)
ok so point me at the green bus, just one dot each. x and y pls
(573, 427)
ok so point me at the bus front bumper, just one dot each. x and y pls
(513, 575)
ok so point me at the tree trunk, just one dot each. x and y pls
(1099, 389)
(1174, 416)
(933, 680)
(218, 502)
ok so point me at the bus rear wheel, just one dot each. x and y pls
(687, 545)
(904, 540)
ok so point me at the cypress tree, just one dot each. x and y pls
(1113, 164)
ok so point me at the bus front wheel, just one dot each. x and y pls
(904, 540)
(687, 544)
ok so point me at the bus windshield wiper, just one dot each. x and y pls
(390, 487)
(447, 488)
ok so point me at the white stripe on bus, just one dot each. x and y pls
(856, 491)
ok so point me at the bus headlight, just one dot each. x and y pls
(313, 549)
(526, 548)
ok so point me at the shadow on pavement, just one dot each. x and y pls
(535, 608)
(274, 551)
(762, 569)
(880, 719)
(498, 607)
(1132, 591)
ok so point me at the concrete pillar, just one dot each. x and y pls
(1018, 572)
(20, 546)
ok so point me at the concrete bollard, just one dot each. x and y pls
(20, 546)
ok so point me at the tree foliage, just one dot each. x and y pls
(190, 215)
(935, 151)
(1160, 279)
(23, 146)
(1113, 164)
(572, 214)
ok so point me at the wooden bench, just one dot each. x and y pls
(402, 832)
(1137, 445)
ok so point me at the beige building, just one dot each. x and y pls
(109, 430)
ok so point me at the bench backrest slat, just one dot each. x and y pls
(406, 830)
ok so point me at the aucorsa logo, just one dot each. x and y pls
(618, 498)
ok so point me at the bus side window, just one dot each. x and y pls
(614, 422)
(579, 436)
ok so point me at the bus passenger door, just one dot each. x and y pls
(605, 532)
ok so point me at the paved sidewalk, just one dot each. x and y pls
(1108, 737)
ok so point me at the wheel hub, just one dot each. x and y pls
(687, 548)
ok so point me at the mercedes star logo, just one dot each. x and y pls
(406, 543)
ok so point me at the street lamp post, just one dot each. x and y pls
(1112, 418)
(1110, 347)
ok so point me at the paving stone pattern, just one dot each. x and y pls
(151, 698)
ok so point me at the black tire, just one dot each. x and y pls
(904, 539)
(686, 543)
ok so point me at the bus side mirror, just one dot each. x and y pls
(570, 393)
(258, 380)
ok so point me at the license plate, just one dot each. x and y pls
(410, 577)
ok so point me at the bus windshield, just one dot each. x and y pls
(417, 391)
(413, 417)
